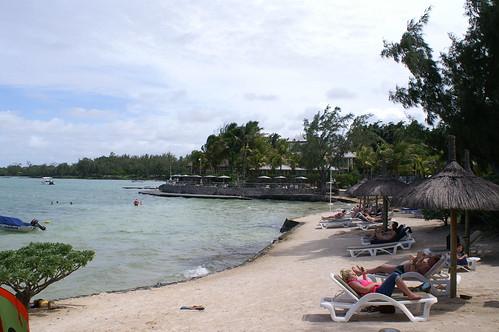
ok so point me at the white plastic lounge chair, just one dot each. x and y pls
(389, 248)
(365, 225)
(346, 222)
(366, 239)
(472, 263)
(347, 303)
(474, 239)
(438, 278)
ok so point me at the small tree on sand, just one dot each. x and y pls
(31, 269)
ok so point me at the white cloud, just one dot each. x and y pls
(93, 113)
(340, 93)
(184, 68)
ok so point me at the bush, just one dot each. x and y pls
(31, 269)
(436, 214)
(346, 180)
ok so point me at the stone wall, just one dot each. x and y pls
(284, 193)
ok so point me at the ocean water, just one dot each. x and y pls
(163, 240)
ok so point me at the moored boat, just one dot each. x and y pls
(17, 225)
(48, 180)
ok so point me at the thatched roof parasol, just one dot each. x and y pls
(452, 188)
(350, 191)
(380, 186)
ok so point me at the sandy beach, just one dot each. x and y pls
(281, 291)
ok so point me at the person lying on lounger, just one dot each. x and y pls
(420, 263)
(336, 215)
(365, 285)
(388, 235)
(367, 218)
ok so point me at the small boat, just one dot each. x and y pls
(48, 180)
(17, 225)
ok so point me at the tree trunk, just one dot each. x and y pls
(24, 297)
(453, 255)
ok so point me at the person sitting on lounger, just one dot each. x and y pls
(365, 286)
(420, 263)
(462, 258)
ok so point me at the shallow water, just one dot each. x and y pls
(163, 240)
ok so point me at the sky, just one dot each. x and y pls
(87, 78)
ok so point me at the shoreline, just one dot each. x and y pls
(254, 257)
(278, 290)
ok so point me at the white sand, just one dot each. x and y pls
(280, 291)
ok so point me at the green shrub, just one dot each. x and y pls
(436, 214)
(31, 269)
(346, 180)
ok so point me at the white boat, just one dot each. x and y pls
(47, 180)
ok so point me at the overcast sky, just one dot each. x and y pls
(86, 78)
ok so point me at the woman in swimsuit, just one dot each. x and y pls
(365, 286)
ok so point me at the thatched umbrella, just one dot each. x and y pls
(350, 191)
(453, 188)
(381, 186)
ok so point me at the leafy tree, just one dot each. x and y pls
(197, 159)
(362, 134)
(215, 151)
(33, 268)
(367, 159)
(241, 146)
(278, 151)
(325, 141)
(461, 87)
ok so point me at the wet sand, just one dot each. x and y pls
(281, 291)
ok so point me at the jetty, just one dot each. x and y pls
(157, 192)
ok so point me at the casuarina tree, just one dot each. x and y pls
(459, 89)
(325, 141)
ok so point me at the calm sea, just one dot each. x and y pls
(163, 240)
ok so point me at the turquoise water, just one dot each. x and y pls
(163, 240)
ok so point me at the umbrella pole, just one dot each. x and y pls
(467, 232)
(385, 213)
(453, 255)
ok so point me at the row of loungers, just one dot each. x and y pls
(403, 240)
(347, 302)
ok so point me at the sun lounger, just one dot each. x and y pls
(474, 239)
(474, 244)
(471, 266)
(345, 222)
(408, 210)
(347, 303)
(438, 278)
(367, 225)
(389, 248)
(403, 233)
